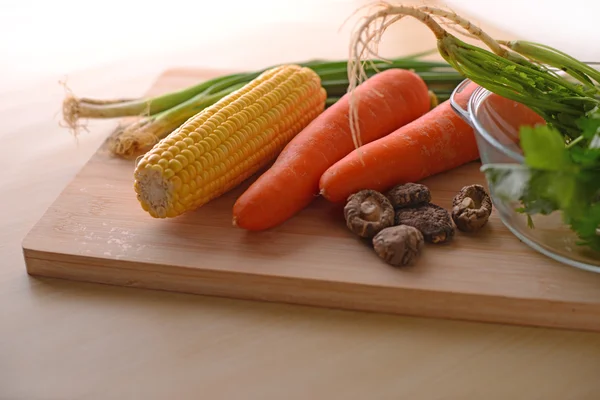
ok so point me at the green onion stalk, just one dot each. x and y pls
(157, 116)
(561, 167)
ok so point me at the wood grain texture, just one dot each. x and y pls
(97, 232)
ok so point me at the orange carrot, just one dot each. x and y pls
(437, 141)
(387, 101)
(498, 112)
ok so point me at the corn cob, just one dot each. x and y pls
(224, 144)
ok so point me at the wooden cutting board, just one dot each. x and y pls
(97, 232)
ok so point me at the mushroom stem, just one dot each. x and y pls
(468, 202)
(370, 211)
(471, 208)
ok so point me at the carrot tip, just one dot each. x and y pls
(234, 221)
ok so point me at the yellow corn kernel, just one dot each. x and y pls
(226, 143)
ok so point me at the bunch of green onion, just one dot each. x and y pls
(158, 116)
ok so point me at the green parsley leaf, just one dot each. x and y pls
(554, 178)
(590, 124)
(585, 158)
(544, 148)
(586, 227)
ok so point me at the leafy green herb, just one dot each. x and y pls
(544, 148)
(557, 177)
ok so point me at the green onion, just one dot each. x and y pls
(160, 115)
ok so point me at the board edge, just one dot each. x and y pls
(347, 296)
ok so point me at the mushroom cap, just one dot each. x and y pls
(408, 195)
(399, 245)
(367, 212)
(471, 208)
(434, 222)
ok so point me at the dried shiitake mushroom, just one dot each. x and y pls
(408, 195)
(399, 245)
(368, 212)
(471, 208)
(434, 222)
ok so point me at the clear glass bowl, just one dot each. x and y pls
(495, 121)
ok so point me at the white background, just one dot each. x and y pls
(42, 40)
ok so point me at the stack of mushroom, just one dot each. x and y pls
(400, 222)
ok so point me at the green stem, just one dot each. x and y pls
(432, 71)
(575, 141)
(557, 100)
(177, 115)
(142, 135)
(90, 108)
(557, 59)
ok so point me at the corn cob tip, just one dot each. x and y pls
(153, 192)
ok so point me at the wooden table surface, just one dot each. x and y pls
(67, 340)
